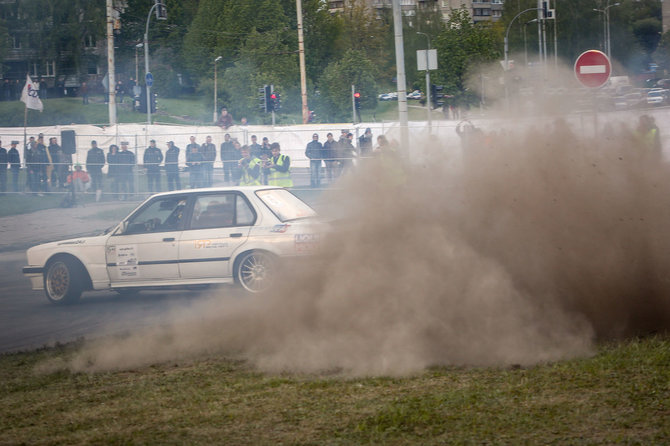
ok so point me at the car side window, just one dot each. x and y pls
(245, 215)
(213, 211)
(220, 211)
(164, 214)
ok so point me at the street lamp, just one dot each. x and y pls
(215, 89)
(525, 46)
(606, 30)
(137, 70)
(160, 16)
(427, 82)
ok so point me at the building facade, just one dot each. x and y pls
(481, 10)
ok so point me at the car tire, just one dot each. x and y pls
(63, 281)
(255, 271)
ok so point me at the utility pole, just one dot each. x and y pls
(110, 63)
(301, 56)
(401, 80)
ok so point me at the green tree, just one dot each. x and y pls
(461, 48)
(334, 102)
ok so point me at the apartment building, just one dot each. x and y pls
(481, 10)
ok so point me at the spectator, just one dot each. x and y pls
(248, 169)
(95, 161)
(209, 155)
(83, 90)
(255, 147)
(172, 166)
(314, 152)
(347, 153)
(14, 159)
(365, 143)
(330, 157)
(56, 155)
(278, 168)
(126, 163)
(113, 168)
(194, 161)
(153, 157)
(225, 119)
(229, 157)
(4, 158)
(44, 166)
(79, 179)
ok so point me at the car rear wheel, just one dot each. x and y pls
(256, 271)
(63, 281)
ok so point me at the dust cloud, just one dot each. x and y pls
(525, 245)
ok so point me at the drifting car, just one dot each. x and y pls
(182, 238)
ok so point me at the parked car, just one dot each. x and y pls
(657, 97)
(182, 238)
(415, 95)
(393, 96)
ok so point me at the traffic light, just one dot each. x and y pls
(276, 101)
(357, 101)
(436, 95)
(143, 101)
(262, 99)
(161, 10)
(269, 100)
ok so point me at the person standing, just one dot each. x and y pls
(126, 163)
(248, 169)
(56, 154)
(314, 152)
(95, 161)
(330, 156)
(347, 153)
(278, 168)
(43, 164)
(194, 161)
(254, 147)
(209, 155)
(4, 158)
(113, 168)
(30, 158)
(153, 157)
(14, 159)
(172, 166)
(229, 157)
(365, 143)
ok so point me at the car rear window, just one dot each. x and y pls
(285, 205)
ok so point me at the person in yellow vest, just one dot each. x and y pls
(649, 138)
(248, 169)
(278, 168)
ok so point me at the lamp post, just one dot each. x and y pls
(146, 53)
(430, 126)
(137, 65)
(525, 46)
(606, 27)
(215, 89)
(507, 48)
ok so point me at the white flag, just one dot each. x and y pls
(30, 96)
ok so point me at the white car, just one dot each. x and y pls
(182, 238)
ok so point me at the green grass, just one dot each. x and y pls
(619, 396)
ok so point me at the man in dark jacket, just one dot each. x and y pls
(194, 161)
(153, 157)
(3, 169)
(14, 159)
(95, 160)
(314, 152)
(172, 166)
(229, 157)
(55, 153)
(126, 160)
(209, 154)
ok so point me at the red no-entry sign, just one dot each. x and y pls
(593, 68)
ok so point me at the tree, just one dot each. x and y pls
(462, 46)
(334, 102)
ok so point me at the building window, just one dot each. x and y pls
(89, 41)
(50, 69)
(16, 42)
(34, 72)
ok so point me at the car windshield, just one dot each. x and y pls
(285, 205)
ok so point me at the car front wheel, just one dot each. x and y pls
(63, 282)
(256, 271)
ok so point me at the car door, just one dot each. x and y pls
(145, 248)
(220, 223)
